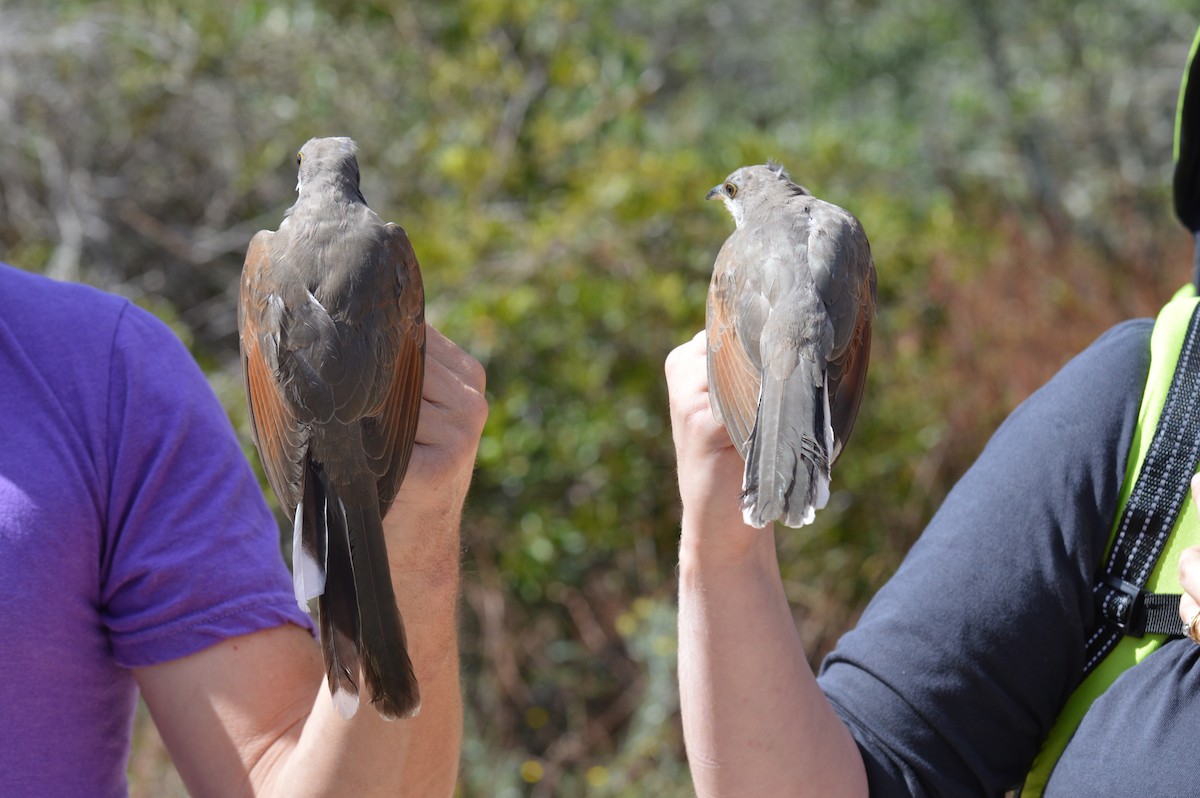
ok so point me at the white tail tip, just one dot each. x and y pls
(345, 702)
(308, 575)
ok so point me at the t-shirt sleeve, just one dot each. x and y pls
(961, 662)
(191, 552)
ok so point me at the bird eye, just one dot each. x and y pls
(299, 158)
(730, 190)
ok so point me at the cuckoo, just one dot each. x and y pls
(789, 336)
(331, 321)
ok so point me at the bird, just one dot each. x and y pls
(788, 329)
(331, 322)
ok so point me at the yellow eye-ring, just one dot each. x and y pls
(730, 190)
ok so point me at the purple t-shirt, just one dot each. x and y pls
(132, 531)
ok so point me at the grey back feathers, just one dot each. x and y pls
(789, 333)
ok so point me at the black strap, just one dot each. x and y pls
(1124, 608)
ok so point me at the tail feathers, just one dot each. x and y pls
(341, 661)
(308, 555)
(387, 669)
(337, 604)
(791, 447)
(359, 621)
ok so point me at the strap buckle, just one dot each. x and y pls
(1124, 605)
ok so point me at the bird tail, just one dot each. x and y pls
(791, 448)
(359, 619)
(321, 570)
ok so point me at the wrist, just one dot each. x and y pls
(428, 599)
(732, 544)
(424, 542)
(424, 555)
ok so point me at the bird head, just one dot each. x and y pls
(749, 185)
(328, 162)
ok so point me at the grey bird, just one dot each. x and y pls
(331, 320)
(789, 336)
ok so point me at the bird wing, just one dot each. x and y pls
(388, 437)
(839, 257)
(733, 363)
(276, 432)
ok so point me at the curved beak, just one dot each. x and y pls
(715, 191)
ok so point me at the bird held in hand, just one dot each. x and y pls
(331, 319)
(789, 336)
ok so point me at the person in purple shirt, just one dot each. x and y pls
(137, 554)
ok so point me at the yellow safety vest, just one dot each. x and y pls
(1170, 330)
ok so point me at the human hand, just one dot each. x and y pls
(1189, 575)
(710, 468)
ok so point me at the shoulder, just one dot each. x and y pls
(66, 320)
(39, 308)
(97, 355)
(1064, 449)
(1090, 407)
(72, 339)
(1119, 357)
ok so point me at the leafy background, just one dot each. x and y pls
(549, 158)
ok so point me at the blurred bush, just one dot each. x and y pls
(549, 159)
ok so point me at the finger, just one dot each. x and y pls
(450, 372)
(443, 353)
(1189, 573)
(1188, 607)
(694, 348)
(454, 408)
(687, 367)
(692, 420)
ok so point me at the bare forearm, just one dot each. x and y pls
(755, 721)
(370, 756)
(252, 715)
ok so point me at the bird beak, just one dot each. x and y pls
(715, 191)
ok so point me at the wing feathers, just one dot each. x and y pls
(847, 381)
(277, 433)
(736, 391)
(389, 438)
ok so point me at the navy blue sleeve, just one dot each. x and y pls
(961, 662)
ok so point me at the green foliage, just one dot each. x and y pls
(549, 159)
